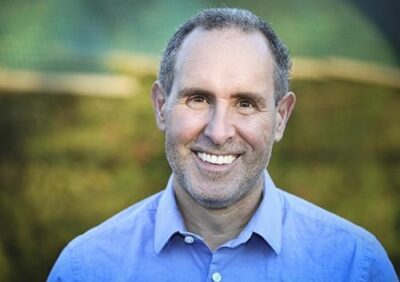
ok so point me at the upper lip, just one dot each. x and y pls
(217, 153)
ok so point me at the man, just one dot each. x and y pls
(222, 100)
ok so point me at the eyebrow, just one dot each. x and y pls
(258, 98)
(185, 92)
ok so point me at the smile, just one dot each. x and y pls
(216, 159)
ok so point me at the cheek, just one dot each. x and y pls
(257, 131)
(185, 126)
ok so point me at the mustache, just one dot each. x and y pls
(205, 144)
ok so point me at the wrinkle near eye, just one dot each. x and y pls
(245, 104)
(197, 102)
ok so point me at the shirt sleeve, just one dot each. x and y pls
(381, 268)
(65, 268)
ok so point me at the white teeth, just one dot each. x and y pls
(214, 159)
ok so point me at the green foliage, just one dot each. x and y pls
(67, 163)
(73, 35)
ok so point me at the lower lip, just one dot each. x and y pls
(214, 167)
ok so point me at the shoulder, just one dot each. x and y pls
(325, 235)
(107, 244)
(127, 227)
(139, 215)
(298, 209)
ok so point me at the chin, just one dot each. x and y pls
(215, 203)
(214, 200)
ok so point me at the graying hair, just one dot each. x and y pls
(222, 18)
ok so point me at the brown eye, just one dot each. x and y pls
(198, 99)
(197, 102)
(245, 106)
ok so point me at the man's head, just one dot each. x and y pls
(224, 18)
(220, 114)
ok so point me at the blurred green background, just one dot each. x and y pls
(79, 141)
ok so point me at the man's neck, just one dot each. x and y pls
(217, 226)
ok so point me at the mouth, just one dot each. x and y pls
(216, 159)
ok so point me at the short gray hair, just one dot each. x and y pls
(222, 18)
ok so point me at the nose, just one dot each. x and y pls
(219, 127)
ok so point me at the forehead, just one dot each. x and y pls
(225, 60)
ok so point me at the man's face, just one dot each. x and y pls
(220, 119)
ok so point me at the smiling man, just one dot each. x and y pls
(222, 99)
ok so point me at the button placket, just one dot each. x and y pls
(216, 277)
(216, 264)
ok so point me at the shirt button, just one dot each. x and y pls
(216, 277)
(189, 240)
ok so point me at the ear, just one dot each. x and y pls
(159, 100)
(284, 109)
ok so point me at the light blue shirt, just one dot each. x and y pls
(287, 239)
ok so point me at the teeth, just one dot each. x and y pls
(214, 159)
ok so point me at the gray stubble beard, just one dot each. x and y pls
(247, 185)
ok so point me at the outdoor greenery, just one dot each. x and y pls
(74, 35)
(68, 162)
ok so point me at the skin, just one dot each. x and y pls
(221, 103)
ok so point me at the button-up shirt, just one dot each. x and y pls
(287, 239)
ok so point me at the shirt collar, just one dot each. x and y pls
(266, 222)
(168, 218)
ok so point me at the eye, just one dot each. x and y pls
(246, 106)
(197, 102)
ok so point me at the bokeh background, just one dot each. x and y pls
(79, 141)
